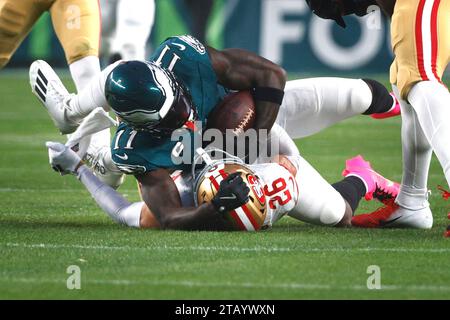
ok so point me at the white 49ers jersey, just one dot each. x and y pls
(280, 188)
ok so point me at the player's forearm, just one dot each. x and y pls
(239, 69)
(202, 218)
(109, 200)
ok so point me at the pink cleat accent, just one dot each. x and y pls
(376, 185)
(393, 112)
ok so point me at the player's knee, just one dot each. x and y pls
(381, 99)
(333, 210)
(346, 220)
(331, 215)
(80, 47)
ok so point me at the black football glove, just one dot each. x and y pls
(233, 193)
(327, 9)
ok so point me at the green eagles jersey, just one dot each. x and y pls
(136, 152)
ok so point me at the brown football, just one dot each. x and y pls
(235, 112)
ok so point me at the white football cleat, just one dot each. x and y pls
(416, 219)
(391, 215)
(49, 89)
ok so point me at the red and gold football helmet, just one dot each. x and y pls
(250, 216)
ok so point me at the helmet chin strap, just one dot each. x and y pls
(204, 155)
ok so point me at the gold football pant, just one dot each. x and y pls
(420, 31)
(76, 23)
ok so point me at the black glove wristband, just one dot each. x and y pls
(216, 203)
(268, 94)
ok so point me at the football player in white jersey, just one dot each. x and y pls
(287, 185)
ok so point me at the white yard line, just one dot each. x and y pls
(218, 248)
(238, 285)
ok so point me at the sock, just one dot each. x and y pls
(352, 189)
(84, 70)
(417, 154)
(431, 102)
(91, 97)
(382, 101)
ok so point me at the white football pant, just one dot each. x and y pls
(312, 105)
(126, 26)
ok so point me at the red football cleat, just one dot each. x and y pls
(393, 112)
(447, 232)
(377, 219)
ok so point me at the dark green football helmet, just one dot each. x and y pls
(148, 97)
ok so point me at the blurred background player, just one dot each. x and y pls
(76, 23)
(421, 43)
(199, 12)
(77, 26)
(126, 27)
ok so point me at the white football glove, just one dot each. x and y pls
(62, 158)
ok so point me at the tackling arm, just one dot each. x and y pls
(239, 69)
(65, 160)
(160, 194)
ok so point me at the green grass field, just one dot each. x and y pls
(48, 223)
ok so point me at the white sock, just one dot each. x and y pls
(91, 97)
(311, 105)
(416, 160)
(84, 70)
(431, 102)
(133, 26)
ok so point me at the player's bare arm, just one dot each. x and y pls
(239, 69)
(160, 194)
